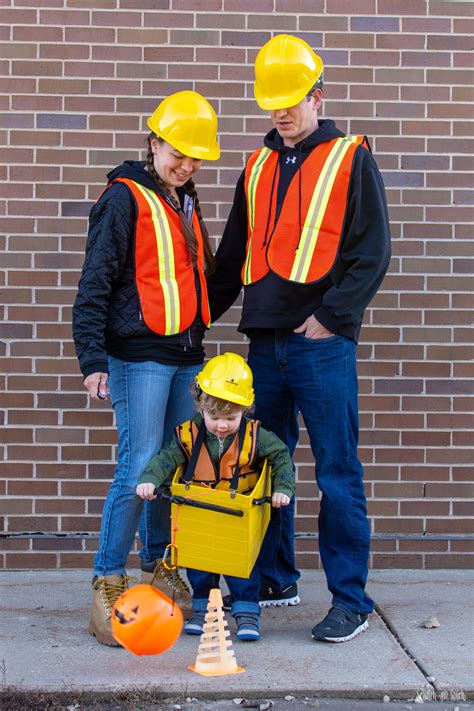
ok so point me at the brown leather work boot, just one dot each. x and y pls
(106, 590)
(167, 581)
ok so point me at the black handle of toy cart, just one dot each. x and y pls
(200, 504)
(263, 500)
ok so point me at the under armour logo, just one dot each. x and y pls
(290, 159)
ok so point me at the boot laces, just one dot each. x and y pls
(171, 577)
(110, 592)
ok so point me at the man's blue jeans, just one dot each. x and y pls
(149, 400)
(318, 378)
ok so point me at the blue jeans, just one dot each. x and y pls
(149, 400)
(244, 591)
(317, 377)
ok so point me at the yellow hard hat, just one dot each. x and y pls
(189, 123)
(227, 377)
(286, 69)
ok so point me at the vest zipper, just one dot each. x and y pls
(221, 446)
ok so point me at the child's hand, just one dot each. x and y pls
(146, 491)
(280, 500)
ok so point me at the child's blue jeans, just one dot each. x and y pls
(244, 591)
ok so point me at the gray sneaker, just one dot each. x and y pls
(195, 625)
(340, 625)
(247, 626)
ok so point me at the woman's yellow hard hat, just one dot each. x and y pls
(227, 377)
(189, 123)
(286, 69)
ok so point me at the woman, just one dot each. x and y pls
(138, 322)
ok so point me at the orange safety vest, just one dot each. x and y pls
(308, 255)
(236, 469)
(164, 273)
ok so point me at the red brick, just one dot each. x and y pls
(34, 560)
(60, 505)
(269, 21)
(63, 51)
(399, 41)
(453, 561)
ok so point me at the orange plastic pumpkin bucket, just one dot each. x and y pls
(145, 621)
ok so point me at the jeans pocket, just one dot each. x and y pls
(323, 339)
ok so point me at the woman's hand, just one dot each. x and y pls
(96, 384)
(280, 500)
(146, 491)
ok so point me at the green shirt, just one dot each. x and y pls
(160, 470)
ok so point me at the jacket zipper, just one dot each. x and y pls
(221, 446)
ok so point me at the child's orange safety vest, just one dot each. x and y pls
(236, 468)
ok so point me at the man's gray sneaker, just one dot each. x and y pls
(277, 597)
(340, 625)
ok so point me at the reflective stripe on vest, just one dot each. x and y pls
(206, 471)
(306, 255)
(164, 274)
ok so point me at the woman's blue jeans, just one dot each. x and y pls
(317, 377)
(149, 400)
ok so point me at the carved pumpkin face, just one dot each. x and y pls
(145, 621)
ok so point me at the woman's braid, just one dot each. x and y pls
(189, 236)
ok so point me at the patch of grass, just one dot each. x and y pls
(15, 700)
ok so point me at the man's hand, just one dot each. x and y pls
(96, 384)
(146, 491)
(279, 499)
(311, 328)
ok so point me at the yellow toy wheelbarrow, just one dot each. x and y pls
(218, 531)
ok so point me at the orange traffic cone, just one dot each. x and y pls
(215, 655)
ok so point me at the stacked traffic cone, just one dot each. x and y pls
(215, 655)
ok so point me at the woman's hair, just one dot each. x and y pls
(217, 406)
(188, 232)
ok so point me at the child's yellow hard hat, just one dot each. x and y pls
(286, 69)
(227, 377)
(189, 123)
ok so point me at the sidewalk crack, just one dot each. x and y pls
(434, 696)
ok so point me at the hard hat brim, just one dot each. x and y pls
(220, 391)
(280, 102)
(212, 153)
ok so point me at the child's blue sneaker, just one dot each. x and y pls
(195, 624)
(247, 627)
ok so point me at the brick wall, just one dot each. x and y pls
(81, 76)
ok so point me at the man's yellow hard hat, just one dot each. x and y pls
(189, 123)
(227, 377)
(286, 69)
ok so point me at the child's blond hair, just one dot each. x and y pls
(216, 406)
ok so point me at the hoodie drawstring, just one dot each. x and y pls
(300, 197)
(270, 204)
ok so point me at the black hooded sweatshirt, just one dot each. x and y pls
(338, 300)
(107, 317)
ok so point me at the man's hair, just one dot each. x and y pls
(217, 406)
(318, 85)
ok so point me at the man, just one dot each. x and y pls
(308, 237)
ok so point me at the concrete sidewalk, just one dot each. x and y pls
(46, 645)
